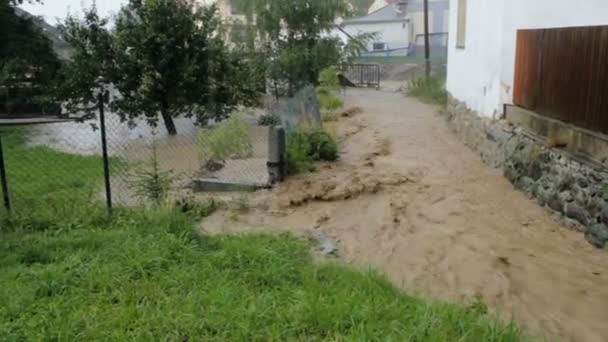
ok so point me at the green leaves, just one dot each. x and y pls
(294, 37)
(165, 58)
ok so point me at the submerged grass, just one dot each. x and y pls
(150, 276)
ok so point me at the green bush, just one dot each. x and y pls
(298, 153)
(328, 100)
(323, 146)
(304, 147)
(326, 94)
(430, 90)
(231, 139)
(269, 120)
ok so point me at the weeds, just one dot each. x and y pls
(231, 139)
(430, 90)
(326, 94)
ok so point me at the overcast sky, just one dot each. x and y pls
(53, 10)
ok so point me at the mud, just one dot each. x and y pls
(408, 199)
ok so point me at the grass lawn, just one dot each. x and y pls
(148, 276)
(71, 273)
(46, 185)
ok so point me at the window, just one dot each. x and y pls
(461, 33)
(379, 46)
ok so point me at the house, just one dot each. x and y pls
(528, 89)
(482, 46)
(399, 25)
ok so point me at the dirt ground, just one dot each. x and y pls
(408, 199)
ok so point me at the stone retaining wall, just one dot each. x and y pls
(575, 189)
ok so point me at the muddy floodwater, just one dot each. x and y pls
(409, 199)
(84, 138)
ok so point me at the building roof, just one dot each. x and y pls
(388, 13)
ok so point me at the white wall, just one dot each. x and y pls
(395, 34)
(482, 74)
(474, 73)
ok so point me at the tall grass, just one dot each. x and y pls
(47, 186)
(149, 276)
(430, 90)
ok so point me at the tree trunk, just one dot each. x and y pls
(169, 123)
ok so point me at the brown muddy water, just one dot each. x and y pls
(131, 149)
(409, 199)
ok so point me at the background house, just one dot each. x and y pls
(399, 25)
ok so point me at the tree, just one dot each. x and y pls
(294, 36)
(171, 60)
(164, 57)
(91, 65)
(26, 55)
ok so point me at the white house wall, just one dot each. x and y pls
(483, 73)
(474, 73)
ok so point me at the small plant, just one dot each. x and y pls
(430, 90)
(327, 116)
(150, 182)
(231, 139)
(269, 120)
(304, 147)
(326, 94)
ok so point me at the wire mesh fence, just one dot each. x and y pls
(45, 175)
(56, 168)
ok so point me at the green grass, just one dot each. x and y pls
(46, 185)
(430, 90)
(149, 277)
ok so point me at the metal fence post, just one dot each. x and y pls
(277, 154)
(3, 180)
(104, 148)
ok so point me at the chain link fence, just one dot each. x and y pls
(57, 166)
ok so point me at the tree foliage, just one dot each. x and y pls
(25, 52)
(91, 65)
(164, 57)
(294, 36)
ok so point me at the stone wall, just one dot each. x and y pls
(573, 188)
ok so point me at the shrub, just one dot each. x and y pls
(431, 90)
(304, 147)
(328, 78)
(323, 146)
(328, 100)
(231, 139)
(269, 120)
(298, 153)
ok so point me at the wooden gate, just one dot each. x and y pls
(563, 74)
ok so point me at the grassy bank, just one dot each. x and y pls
(149, 276)
(45, 185)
